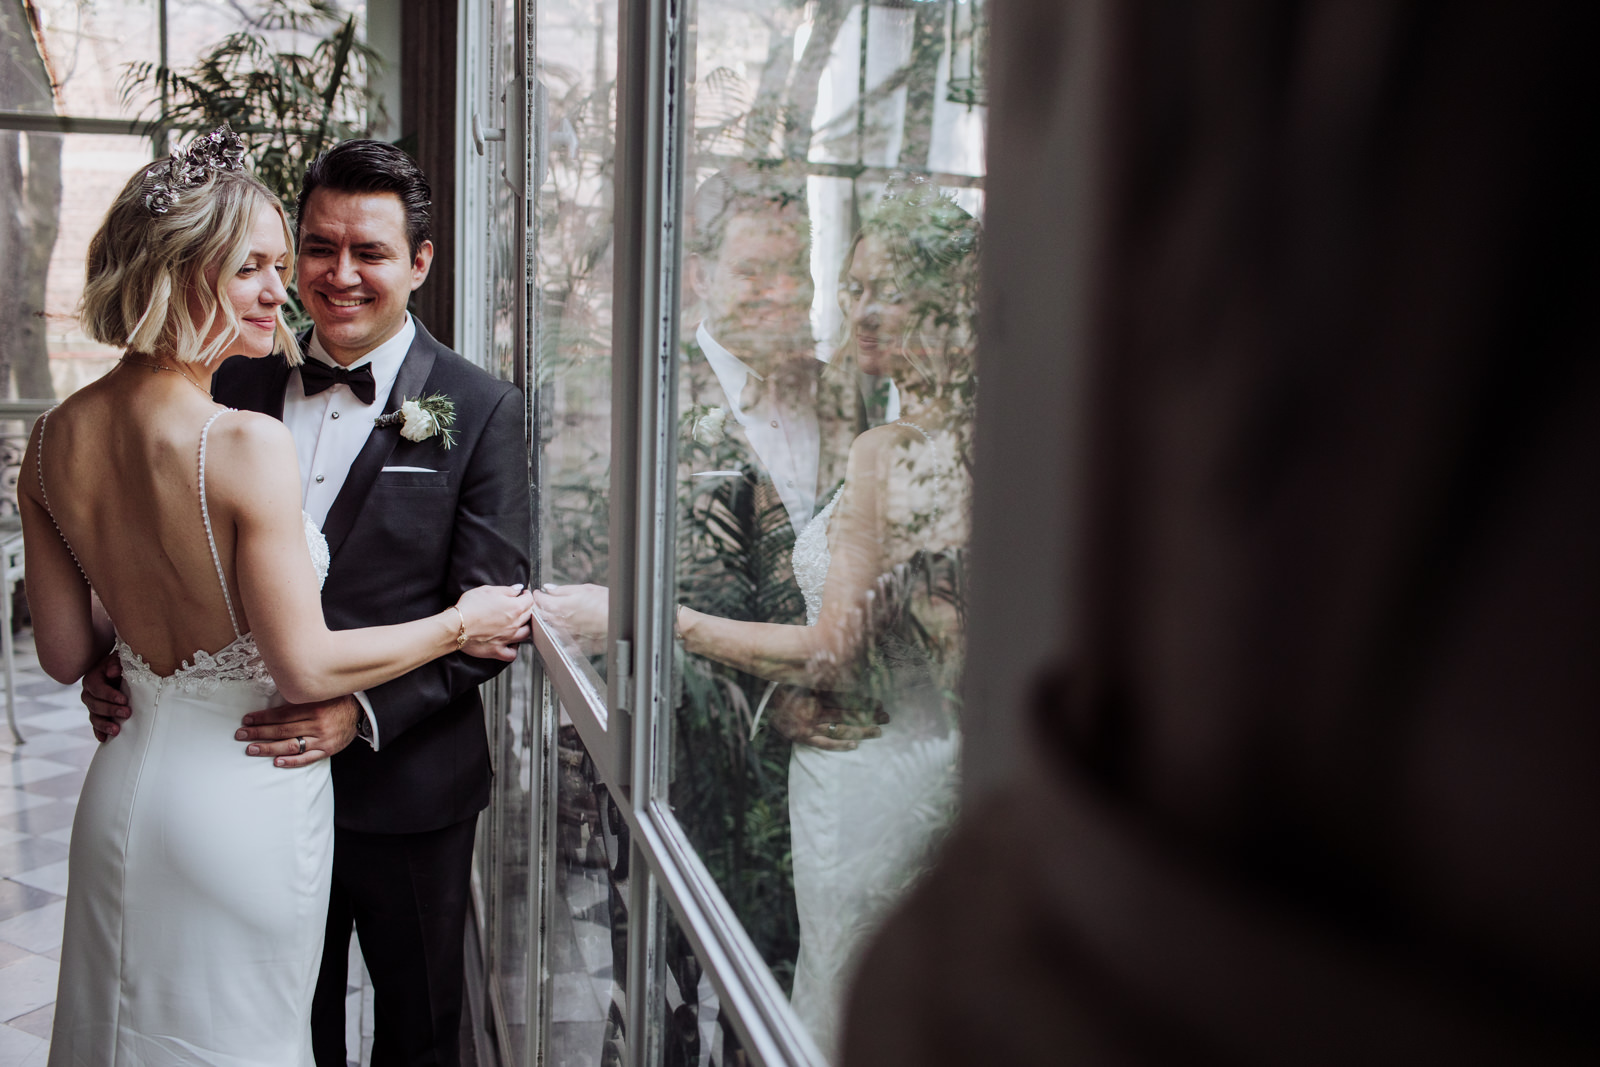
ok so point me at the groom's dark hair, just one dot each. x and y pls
(366, 166)
(763, 188)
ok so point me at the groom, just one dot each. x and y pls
(778, 432)
(410, 525)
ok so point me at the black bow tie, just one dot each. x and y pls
(316, 376)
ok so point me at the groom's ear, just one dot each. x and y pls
(421, 263)
(698, 274)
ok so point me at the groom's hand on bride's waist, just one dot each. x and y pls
(275, 733)
(810, 718)
(103, 696)
(295, 735)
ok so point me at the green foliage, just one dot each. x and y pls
(730, 785)
(287, 105)
(730, 791)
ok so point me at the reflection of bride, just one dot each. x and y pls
(879, 568)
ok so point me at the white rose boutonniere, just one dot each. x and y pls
(421, 418)
(708, 428)
(419, 424)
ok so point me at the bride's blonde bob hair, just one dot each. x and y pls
(146, 287)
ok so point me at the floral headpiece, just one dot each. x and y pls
(929, 232)
(191, 167)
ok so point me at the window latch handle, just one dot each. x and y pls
(482, 133)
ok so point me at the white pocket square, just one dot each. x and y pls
(415, 470)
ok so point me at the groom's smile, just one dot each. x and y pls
(356, 270)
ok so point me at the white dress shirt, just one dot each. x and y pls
(331, 428)
(782, 430)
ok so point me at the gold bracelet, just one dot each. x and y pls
(461, 630)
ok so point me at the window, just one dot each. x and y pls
(747, 295)
(74, 124)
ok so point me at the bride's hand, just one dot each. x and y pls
(496, 620)
(805, 718)
(581, 612)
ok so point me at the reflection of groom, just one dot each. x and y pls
(756, 371)
(410, 525)
(752, 382)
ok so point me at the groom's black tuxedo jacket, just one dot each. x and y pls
(404, 545)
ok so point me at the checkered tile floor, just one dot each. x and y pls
(39, 783)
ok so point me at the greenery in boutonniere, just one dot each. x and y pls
(422, 418)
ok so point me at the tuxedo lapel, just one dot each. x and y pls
(369, 461)
(253, 384)
(277, 382)
(280, 377)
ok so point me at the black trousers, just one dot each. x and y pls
(406, 896)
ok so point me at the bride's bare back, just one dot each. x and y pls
(121, 481)
(121, 474)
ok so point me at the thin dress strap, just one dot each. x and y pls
(44, 496)
(938, 461)
(211, 538)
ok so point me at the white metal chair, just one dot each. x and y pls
(11, 561)
(11, 566)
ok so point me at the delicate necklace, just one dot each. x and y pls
(162, 366)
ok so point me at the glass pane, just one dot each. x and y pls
(588, 939)
(102, 55)
(577, 49)
(61, 186)
(88, 46)
(516, 737)
(506, 230)
(825, 412)
(687, 1013)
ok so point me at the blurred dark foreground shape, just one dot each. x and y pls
(1320, 775)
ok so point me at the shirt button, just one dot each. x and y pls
(319, 479)
(336, 414)
(789, 484)
(774, 424)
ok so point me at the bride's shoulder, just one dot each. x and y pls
(87, 409)
(249, 431)
(89, 405)
(249, 449)
(884, 442)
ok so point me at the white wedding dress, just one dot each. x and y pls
(863, 824)
(198, 877)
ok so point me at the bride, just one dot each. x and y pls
(169, 528)
(872, 779)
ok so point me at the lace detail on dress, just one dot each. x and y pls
(812, 558)
(318, 545)
(239, 661)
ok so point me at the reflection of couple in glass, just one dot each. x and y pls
(865, 686)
